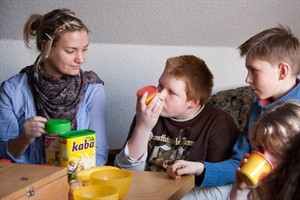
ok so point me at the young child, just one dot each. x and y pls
(285, 179)
(273, 64)
(270, 135)
(179, 123)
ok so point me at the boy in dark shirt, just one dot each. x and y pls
(179, 123)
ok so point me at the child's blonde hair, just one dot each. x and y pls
(276, 126)
(196, 75)
(285, 180)
(275, 45)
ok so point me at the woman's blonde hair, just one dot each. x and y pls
(48, 28)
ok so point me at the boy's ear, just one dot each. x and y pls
(283, 70)
(194, 103)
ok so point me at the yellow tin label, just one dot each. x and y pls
(78, 150)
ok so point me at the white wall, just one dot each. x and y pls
(212, 23)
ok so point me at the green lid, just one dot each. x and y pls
(57, 125)
(78, 133)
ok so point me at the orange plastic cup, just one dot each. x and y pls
(151, 89)
(256, 169)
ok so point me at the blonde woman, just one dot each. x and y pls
(53, 87)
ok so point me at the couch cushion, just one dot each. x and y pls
(236, 102)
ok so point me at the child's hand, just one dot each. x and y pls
(146, 118)
(147, 115)
(182, 167)
(240, 189)
(244, 160)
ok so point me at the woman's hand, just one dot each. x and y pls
(182, 167)
(32, 128)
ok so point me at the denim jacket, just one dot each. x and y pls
(17, 104)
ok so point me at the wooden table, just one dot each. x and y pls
(51, 182)
(158, 185)
(32, 182)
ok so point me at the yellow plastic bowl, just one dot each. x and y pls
(96, 192)
(84, 175)
(115, 177)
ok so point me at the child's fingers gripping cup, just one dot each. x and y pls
(152, 91)
(256, 169)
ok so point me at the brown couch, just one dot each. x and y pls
(236, 102)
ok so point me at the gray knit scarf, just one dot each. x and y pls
(58, 98)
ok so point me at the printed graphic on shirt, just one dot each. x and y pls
(167, 150)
